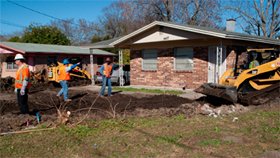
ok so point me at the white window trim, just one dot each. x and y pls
(12, 66)
(174, 57)
(142, 62)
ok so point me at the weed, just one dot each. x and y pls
(169, 139)
(179, 117)
(217, 129)
(78, 131)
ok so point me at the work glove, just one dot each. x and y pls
(24, 85)
(16, 90)
(22, 91)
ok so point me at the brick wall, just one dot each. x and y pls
(165, 75)
(231, 55)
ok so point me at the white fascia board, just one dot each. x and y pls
(185, 28)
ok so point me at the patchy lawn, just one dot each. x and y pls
(144, 90)
(254, 133)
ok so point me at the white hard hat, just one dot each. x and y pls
(19, 57)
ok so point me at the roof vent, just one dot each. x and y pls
(230, 25)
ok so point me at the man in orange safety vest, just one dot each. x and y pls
(106, 71)
(22, 83)
(64, 77)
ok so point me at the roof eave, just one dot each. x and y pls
(153, 24)
(17, 50)
(252, 39)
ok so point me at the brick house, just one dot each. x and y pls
(38, 56)
(172, 55)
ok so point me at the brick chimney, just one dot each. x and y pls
(230, 26)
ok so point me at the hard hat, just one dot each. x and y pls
(19, 57)
(65, 61)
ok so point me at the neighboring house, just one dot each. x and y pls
(172, 55)
(38, 56)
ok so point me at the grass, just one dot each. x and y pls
(200, 136)
(144, 90)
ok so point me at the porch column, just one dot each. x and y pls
(121, 68)
(91, 67)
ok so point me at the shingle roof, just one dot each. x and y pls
(49, 48)
(200, 30)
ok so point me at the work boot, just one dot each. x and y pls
(68, 100)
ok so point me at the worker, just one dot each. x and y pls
(106, 71)
(22, 83)
(64, 77)
(254, 63)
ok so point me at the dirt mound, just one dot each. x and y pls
(107, 107)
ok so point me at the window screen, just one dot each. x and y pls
(149, 59)
(183, 58)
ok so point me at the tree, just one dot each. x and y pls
(14, 39)
(44, 35)
(123, 17)
(261, 17)
(79, 31)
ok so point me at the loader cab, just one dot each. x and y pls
(262, 56)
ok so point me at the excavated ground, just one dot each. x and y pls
(119, 105)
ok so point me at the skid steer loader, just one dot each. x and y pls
(247, 84)
(79, 76)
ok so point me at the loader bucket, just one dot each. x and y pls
(211, 89)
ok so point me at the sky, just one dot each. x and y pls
(18, 17)
(14, 18)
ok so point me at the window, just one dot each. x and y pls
(149, 59)
(51, 60)
(11, 63)
(100, 60)
(75, 60)
(183, 58)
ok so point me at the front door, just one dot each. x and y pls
(216, 63)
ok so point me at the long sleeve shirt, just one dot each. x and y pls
(69, 68)
(101, 70)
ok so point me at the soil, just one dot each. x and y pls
(119, 105)
(102, 107)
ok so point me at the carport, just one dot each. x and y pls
(105, 45)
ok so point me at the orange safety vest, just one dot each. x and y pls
(63, 74)
(21, 75)
(107, 70)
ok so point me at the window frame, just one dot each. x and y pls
(156, 59)
(14, 66)
(10, 60)
(192, 62)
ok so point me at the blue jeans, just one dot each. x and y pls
(106, 81)
(64, 89)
